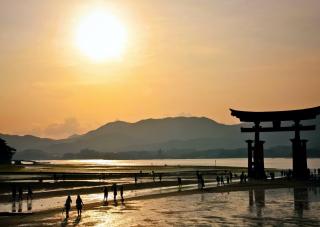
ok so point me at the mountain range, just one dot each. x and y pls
(168, 134)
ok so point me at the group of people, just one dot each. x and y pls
(79, 202)
(18, 196)
(243, 178)
(79, 205)
(220, 179)
(114, 188)
(20, 193)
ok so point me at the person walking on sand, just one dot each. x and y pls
(218, 180)
(241, 177)
(121, 193)
(198, 178)
(179, 182)
(20, 194)
(153, 176)
(114, 188)
(67, 206)
(135, 179)
(14, 192)
(202, 182)
(30, 193)
(105, 193)
(79, 205)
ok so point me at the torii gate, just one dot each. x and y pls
(255, 148)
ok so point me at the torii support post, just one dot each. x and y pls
(250, 150)
(299, 155)
(258, 162)
(299, 159)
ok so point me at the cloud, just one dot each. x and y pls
(67, 128)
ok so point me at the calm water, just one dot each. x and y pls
(281, 163)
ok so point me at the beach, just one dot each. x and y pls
(149, 202)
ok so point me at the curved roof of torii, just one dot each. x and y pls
(287, 115)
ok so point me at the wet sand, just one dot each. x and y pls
(109, 213)
(49, 195)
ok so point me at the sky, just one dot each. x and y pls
(181, 58)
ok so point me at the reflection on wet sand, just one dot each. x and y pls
(29, 204)
(301, 200)
(257, 198)
(20, 206)
(267, 207)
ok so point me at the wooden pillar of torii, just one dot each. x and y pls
(255, 147)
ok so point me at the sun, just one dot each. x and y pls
(101, 36)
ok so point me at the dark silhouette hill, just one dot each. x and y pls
(190, 133)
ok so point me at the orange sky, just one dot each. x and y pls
(188, 57)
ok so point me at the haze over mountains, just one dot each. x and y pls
(183, 134)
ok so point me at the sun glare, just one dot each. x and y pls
(101, 36)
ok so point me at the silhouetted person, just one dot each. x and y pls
(67, 205)
(153, 176)
(202, 181)
(114, 188)
(20, 194)
(135, 179)
(105, 193)
(218, 180)
(55, 179)
(228, 180)
(79, 205)
(160, 177)
(30, 193)
(222, 180)
(121, 193)
(241, 177)
(272, 175)
(179, 182)
(14, 193)
(245, 178)
(198, 179)
(230, 175)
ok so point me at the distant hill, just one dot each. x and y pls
(176, 133)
